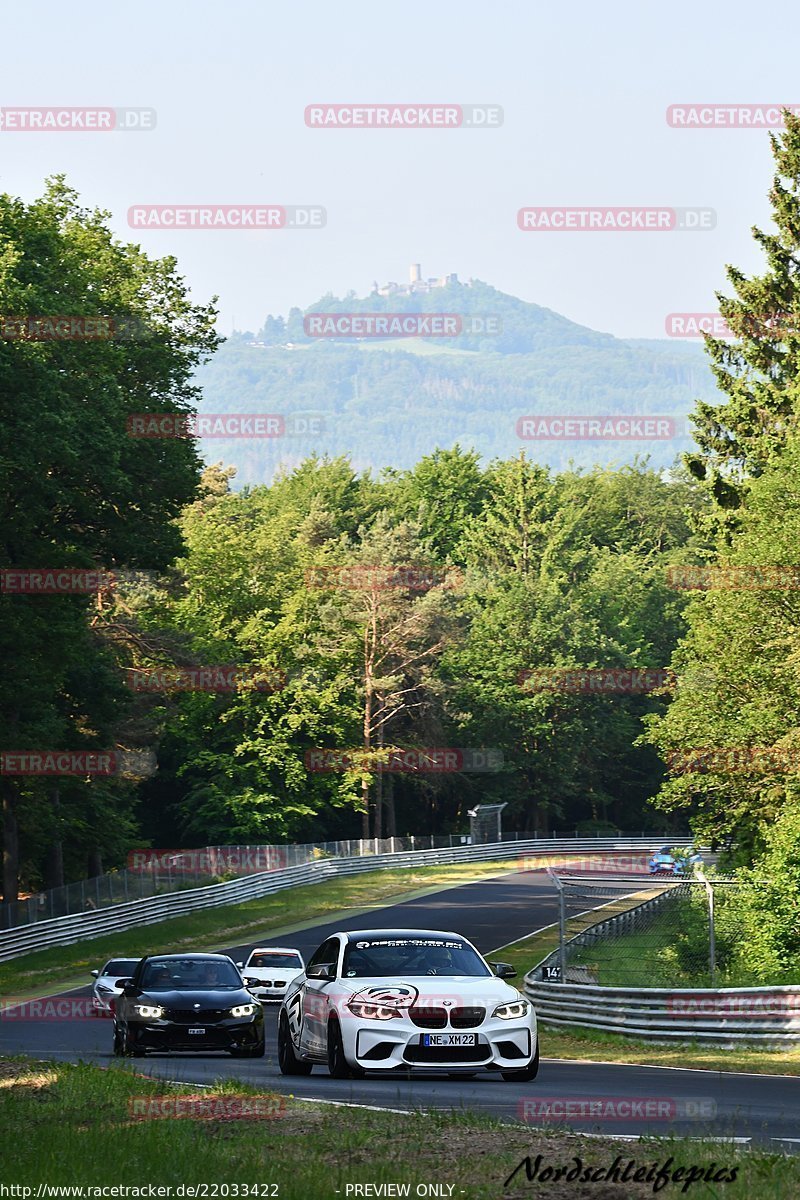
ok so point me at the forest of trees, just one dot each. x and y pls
(376, 613)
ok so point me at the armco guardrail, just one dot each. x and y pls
(63, 931)
(766, 1016)
(769, 1016)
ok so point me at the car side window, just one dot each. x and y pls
(327, 955)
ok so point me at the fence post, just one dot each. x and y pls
(562, 926)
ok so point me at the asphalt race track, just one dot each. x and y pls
(491, 913)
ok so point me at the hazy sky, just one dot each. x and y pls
(584, 89)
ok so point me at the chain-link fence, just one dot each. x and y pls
(647, 932)
(159, 872)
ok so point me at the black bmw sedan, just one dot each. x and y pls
(187, 1002)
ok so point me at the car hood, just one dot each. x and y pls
(206, 998)
(433, 991)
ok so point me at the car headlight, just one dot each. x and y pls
(512, 1011)
(150, 1012)
(102, 988)
(373, 1012)
(243, 1010)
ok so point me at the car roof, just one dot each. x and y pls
(360, 934)
(275, 950)
(190, 955)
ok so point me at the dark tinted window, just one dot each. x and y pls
(275, 960)
(120, 966)
(384, 956)
(189, 974)
(327, 955)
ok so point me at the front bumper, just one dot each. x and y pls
(231, 1034)
(397, 1043)
(268, 995)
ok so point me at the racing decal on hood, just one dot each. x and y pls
(396, 995)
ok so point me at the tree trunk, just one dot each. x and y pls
(54, 867)
(379, 787)
(391, 816)
(10, 842)
(95, 864)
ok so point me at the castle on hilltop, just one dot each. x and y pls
(416, 284)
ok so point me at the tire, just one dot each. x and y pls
(256, 1051)
(338, 1066)
(527, 1073)
(130, 1047)
(288, 1061)
(118, 1050)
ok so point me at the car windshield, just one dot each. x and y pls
(120, 966)
(411, 956)
(275, 960)
(189, 974)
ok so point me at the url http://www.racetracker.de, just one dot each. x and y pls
(183, 1191)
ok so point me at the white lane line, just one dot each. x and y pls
(404, 1112)
(599, 1062)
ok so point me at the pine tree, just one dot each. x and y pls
(759, 372)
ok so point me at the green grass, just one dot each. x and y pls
(594, 1045)
(62, 967)
(74, 1124)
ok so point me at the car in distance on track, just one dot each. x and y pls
(409, 999)
(670, 860)
(105, 982)
(187, 1002)
(274, 967)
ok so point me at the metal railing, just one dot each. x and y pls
(209, 864)
(767, 1016)
(62, 931)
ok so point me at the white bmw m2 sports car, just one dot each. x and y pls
(407, 999)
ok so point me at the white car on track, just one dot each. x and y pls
(104, 988)
(274, 967)
(388, 999)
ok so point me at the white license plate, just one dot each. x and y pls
(449, 1039)
(197, 1031)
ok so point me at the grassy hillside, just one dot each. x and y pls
(390, 401)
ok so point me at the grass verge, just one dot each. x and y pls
(61, 967)
(79, 1125)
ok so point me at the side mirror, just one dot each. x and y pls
(94, 974)
(240, 965)
(503, 970)
(122, 984)
(323, 971)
